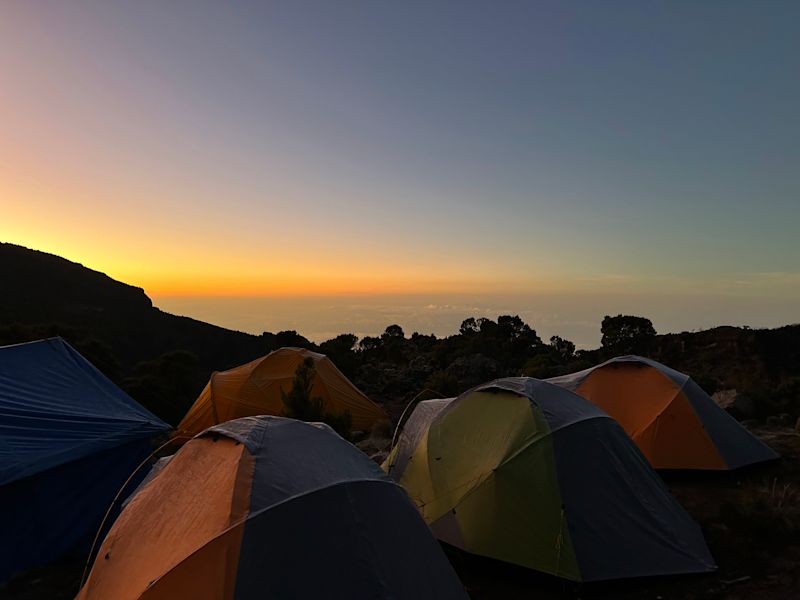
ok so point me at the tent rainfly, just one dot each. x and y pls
(672, 420)
(69, 439)
(255, 389)
(529, 473)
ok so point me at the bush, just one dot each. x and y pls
(299, 404)
(444, 384)
(757, 522)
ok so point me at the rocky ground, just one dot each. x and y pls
(751, 520)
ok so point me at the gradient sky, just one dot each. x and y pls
(639, 150)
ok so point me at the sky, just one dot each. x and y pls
(291, 160)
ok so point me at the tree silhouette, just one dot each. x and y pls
(626, 333)
(298, 402)
(469, 326)
(565, 348)
(341, 350)
(392, 332)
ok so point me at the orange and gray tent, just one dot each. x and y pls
(255, 389)
(672, 420)
(529, 473)
(269, 507)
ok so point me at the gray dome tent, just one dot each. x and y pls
(268, 507)
(526, 472)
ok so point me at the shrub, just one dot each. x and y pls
(299, 404)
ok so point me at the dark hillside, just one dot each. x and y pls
(43, 289)
(46, 287)
(116, 326)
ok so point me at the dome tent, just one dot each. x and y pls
(672, 420)
(255, 389)
(526, 472)
(69, 440)
(268, 507)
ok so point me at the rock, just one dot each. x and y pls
(735, 581)
(780, 420)
(380, 456)
(738, 405)
(797, 425)
(357, 436)
(725, 398)
(375, 444)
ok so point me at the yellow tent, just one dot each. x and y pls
(255, 389)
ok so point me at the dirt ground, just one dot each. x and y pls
(750, 518)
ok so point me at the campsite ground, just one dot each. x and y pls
(751, 520)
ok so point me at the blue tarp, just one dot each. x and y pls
(69, 438)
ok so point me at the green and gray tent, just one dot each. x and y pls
(529, 473)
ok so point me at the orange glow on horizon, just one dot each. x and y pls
(164, 273)
(336, 278)
(298, 286)
(184, 262)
